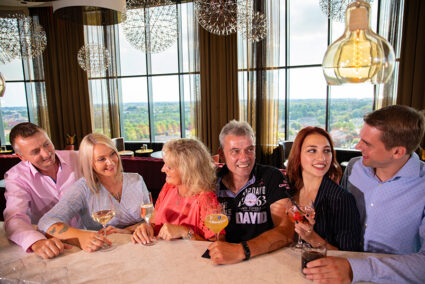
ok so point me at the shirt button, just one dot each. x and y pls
(365, 224)
(371, 204)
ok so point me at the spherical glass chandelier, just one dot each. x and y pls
(252, 25)
(151, 26)
(335, 9)
(94, 59)
(20, 37)
(217, 16)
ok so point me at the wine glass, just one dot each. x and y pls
(146, 211)
(102, 211)
(216, 219)
(297, 214)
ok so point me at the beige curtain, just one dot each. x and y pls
(219, 86)
(259, 94)
(66, 83)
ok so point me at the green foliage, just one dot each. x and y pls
(345, 119)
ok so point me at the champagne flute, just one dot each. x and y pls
(102, 211)
(146, 211)
(297, 214)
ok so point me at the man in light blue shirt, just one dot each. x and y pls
(388, 182)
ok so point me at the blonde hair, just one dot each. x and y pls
(86, 159)
(193, 161)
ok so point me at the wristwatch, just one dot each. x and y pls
(190, 234)
(246, 250)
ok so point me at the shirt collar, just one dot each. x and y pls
(35, 171)
(223, 191)
(410, 169)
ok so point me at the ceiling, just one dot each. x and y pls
(21, 3)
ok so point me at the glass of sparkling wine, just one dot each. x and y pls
(216, 220)
(102, 211)
(146, 211)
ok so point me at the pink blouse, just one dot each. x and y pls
(186, 211)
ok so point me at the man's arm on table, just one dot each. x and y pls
(18, 226)
(281, 235)
(392, 269)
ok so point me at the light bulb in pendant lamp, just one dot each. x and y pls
(359, 55)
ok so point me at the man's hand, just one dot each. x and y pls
(329, 270)
(226, 253)
(48, 248)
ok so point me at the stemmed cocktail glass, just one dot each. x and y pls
(298, 213)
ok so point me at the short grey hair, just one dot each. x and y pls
(237, 128)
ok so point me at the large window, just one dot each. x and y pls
(24, 91)
(155, 90)
(295, 46)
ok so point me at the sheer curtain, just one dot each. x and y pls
(36, 89)
(259, 81)
(390, 27)
(104, 88)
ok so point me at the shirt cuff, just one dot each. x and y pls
(30, 240)
(362, 270)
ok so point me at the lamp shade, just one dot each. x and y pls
(94, 12)
(359, 55)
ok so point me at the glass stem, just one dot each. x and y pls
(104, 232)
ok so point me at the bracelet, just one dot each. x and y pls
(189, 235)
(246, 250)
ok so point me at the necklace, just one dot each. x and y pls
(117, 195)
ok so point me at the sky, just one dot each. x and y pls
(308, 29)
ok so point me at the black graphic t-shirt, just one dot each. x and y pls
(249, 210)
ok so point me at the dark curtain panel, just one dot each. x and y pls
(219, 86)
(66, 83)
(411, 84)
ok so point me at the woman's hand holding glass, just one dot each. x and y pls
(144, 233)
(102, 211)
(305, 229)
(93, 241)
(302, 216)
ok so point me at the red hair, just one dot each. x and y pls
(294, 160)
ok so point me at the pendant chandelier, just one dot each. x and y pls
(359, 55)
(217, 16)
(252, 25)
(20, 37)
(335, 9)
(2, 85)
(151, 26)
(94, 59)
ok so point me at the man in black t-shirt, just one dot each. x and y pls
(254, 197)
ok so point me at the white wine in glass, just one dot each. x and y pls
(146, 211)
(102, 211)
(103, 216)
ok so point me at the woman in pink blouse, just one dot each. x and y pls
(186, 197)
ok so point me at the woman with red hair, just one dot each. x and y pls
(314, 175)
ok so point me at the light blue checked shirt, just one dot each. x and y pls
(78, 198)
(393, 217)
